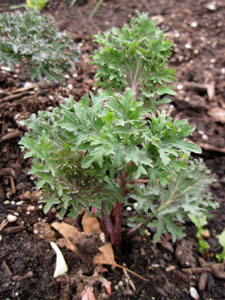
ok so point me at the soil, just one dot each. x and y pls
(173, 269)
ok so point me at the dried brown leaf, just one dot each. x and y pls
(67, 231)
(90, 224)
(106, 256)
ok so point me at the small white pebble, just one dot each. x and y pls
(13, 202)
(211, 6)
(188, 46)
(11, 218)
(176, 34)
(1, 237)
(27, 213)
(70, 86)
(201, 132)
(194, 24)
(31, 208)
(28, 84)
(16, 213)
(35, 231)
(4, 68)
(66, 76)
(120, 283)
(50, 97)
(6, 202)
(196, 51)
(18, 203)
(155, 266)
(205, 137)
(223, 70)
(170, 268)
(40, 206)
(194, 294)
(129, 208)
(180, 86)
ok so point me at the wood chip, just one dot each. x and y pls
(11, 135)
(14, 229)
(202, 281)
(218, 114)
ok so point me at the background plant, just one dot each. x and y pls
(200, 222)
(135, 57)
(33, 39)
(32, 4)
(95, 153)
(221, 256)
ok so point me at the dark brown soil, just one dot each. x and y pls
(26, 258)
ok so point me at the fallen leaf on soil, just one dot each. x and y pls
(218, 114)
(90, 224)
(106, 256)
(67, 231)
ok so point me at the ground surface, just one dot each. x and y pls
(26, 259)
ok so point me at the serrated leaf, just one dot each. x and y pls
(188, 147)
(166, 90)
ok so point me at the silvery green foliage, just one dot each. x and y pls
(83, 150)
(187, 193)
(32, 39)
(135, 57)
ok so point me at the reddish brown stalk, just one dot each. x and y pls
(116, 239)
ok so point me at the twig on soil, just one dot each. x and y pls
(14, 229)
(13, 187)
(22, 277)
(216, 268)
(129, 281)
(187, 28)
(15, 96)
(208, 147)
(202, 281)
(30, 87)
(133, 230)
(7, 171)
(11, 135)
(199, 87)
(3, 224)
(4, 264)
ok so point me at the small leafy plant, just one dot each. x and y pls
(200, 221)
(32, 39)
(118, 146)
(32, 4)
(39, 4)
(221, 256)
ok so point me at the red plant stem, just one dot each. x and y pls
(116, 238)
